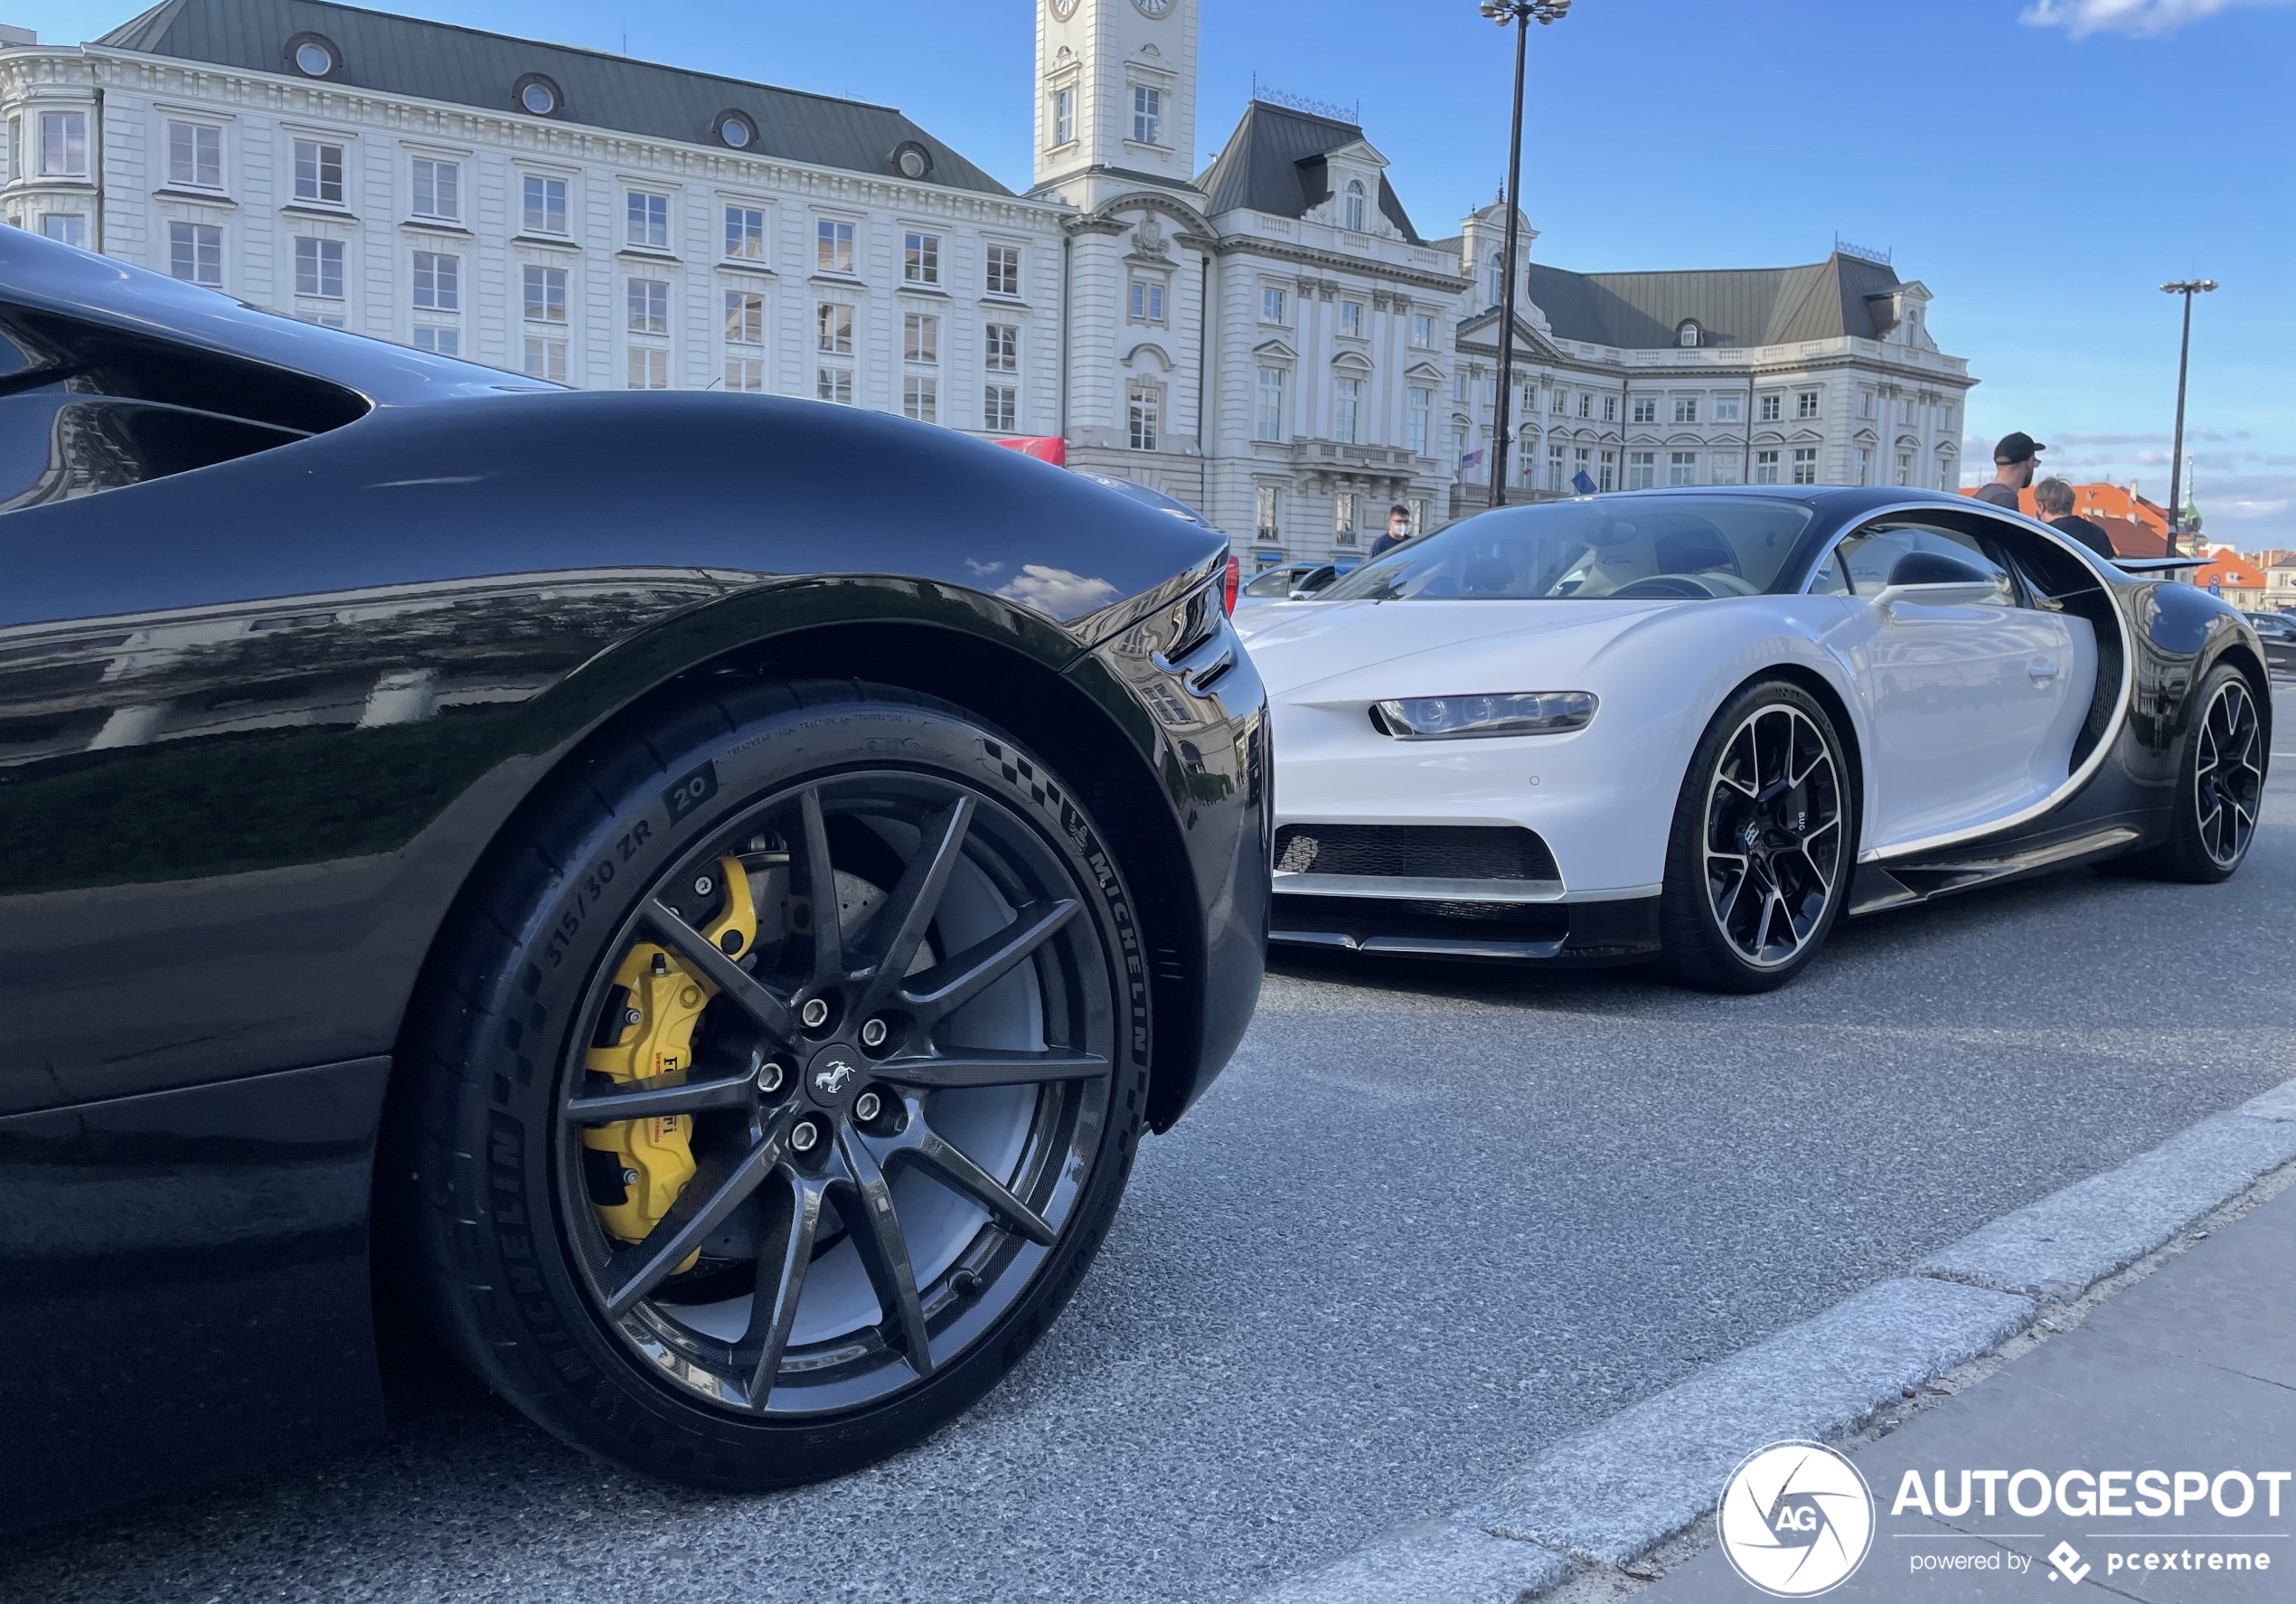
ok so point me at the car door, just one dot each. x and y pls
(1971, 708)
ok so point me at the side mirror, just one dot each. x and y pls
(1951, 594)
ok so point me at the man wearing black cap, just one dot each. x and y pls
(2013, 470)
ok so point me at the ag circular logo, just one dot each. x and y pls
(1796, 1519)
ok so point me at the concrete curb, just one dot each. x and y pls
(1610, 1494)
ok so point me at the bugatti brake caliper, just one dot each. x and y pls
(656, 1002)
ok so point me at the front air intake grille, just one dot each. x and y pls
(1431, 852)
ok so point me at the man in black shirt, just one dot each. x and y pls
(2013, 470)
(1398, 530)
(2055, 499)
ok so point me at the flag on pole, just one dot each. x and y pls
(1582, 484)
(1472, 460)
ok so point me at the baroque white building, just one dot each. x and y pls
(1270, 339)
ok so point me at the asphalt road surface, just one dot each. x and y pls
(1432, 1219)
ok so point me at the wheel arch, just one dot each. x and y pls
(1829, 697)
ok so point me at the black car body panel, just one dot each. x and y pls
(262, 713)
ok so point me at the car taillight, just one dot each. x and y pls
(1228, 587)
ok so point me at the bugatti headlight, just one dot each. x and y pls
(1454, 718)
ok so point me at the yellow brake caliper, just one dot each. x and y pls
(660, 1001)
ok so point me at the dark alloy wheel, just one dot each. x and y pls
(2220, 790)
(1761, 851)
(819, 1073)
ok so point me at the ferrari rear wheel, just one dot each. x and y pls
(778, 1096)
(2220, 786)
(1761, 852)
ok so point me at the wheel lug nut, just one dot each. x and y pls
(865, 1106)
(629, 1178)
(770, 1076)
(704, 885)
(873, 1034)
(802, 1138)
(814, 1014)
(632, 1016)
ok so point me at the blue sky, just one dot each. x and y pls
(2043, 165)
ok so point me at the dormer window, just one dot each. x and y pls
(1687, 335)
(1356, 198)
(1498, 278)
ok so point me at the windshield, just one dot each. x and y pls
(1618, 548)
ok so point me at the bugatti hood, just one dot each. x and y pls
(1368, 649)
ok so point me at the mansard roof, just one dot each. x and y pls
(1276, 161)
(404, 55)
(1733, 306)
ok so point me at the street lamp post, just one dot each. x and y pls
(2187, 288)
(1520, 13)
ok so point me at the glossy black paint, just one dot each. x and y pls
(260, 719)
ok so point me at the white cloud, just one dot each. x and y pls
(1056, 590)
(2083, 17)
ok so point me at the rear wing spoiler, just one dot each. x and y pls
(2159, 564)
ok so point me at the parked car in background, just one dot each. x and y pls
(2278, 632)
(694, 897)
(1290, 581)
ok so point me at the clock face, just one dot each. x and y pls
(1153, 8)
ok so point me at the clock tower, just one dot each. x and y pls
(1116, 97)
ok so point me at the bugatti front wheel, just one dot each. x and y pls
(1760, 855)
(774, 1099)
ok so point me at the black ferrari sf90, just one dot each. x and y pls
(697, 895)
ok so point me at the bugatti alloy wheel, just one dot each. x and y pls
(821, 1093)
(2220, 785)
(1761, 851)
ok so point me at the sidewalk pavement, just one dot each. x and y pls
(2191, 1369)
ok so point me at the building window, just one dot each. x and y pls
(1343, 518)
(545, 205)
(1418, 405)
(1423, 330)
(67, 228)
(832, 329)
(1766, 467)
(1498, 278)
(438, 342)
(1147, 115)
(1725, 468)
(1355, 205)
(1805, 403)
(64, 144)
(438, 188)
(1687, 335)
(1682, 468)
(1727, 409)
(1000, 407)
(1000, 347)
(1646, 410)
(1555, 469)
(920, 337)
(195, 155)
(1866, 466)
(318, 268)
(746, 233)
(745, 317)
(1147, 300)
(833, 246)
(1004, 270)
(1457, 455)
(920, 259)
(1351, 320)
(1805, 464)
(1347, 400)
(1771, 409)
(1642, 469)
(1143, 406)
(1610, 409)
(921, 398)
(835, 385)
(1273, 304)
(1267, 422)
(646, 223)
(318, 172)
(546, 359)
(1064, 116)
(1686, 409)
(1947, 478)
(744, 375)
(1904, 467)
(1864, 403)
(438, 281)
(545, 294)
(1607, 478)
(647, 301)
(1267, 511)
(649, 367)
